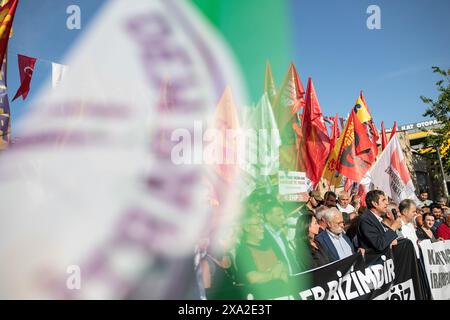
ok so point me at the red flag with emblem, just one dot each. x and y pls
(371, 129)
(7, 12)
(355, 156)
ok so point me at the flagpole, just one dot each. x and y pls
(442, 171)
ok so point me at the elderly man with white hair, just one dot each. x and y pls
(334, 239)
(344, 206)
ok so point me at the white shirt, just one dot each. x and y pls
(378, 217)
(381, 221)
(342, 247)
(348, 209)
(425, 203)
(409, 232)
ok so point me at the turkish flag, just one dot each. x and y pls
(26, 68)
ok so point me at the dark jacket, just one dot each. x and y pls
(371, 234)
(271, 242)
(310, 258)
(324, 239)
(422, 235)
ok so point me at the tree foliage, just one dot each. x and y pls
(439, 109)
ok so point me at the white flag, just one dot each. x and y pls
(58, 73)
(391, 175)
(260, 145)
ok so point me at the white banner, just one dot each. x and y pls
(436, 257)
(292, 186)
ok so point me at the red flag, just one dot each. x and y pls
(362, 194)
(26, 68)
(7, 13)
(394, 130)
(391, 173)
(355, 156)
(348, 184)
(335, 132)
(384, 141)
(371, 129)
(400, 166)
(290, 99)
(315, 136)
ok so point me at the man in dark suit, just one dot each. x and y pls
(372, 232)
(334, 239)
(275, 237)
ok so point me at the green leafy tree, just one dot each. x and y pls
(439, 109)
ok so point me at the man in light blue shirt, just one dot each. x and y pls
(334, 239)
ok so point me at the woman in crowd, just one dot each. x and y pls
(425, 232)
(310, 253)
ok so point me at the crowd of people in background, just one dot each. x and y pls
(274, 241)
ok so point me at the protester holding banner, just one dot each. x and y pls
(334, 239)
(407, 213)
(425, 232)
(372, 233)
(310, 253)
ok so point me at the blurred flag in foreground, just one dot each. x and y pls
(108, 214)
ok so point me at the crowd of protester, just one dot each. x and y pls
(272, 242)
